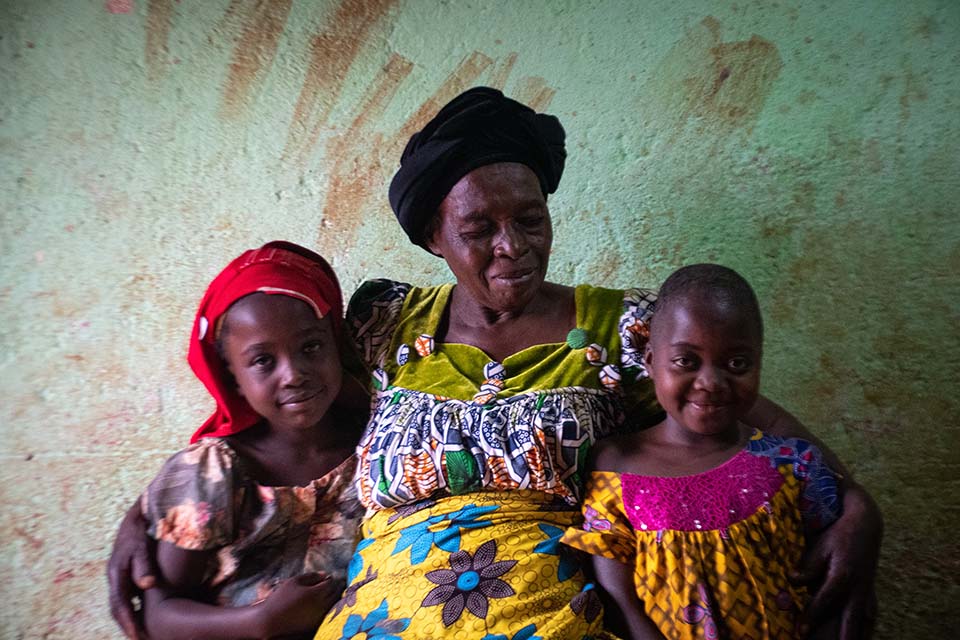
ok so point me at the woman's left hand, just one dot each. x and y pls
(841, 566)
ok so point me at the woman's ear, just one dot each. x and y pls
(432, 247)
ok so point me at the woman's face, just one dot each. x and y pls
(495, 233)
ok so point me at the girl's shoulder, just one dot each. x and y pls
(617, 453)
(207, 455)
(191, 502)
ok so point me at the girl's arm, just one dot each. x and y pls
(623, 610)
(176, 609)
(841, 566)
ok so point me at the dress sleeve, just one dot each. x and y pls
(193, 501)
(606, 531)
(820, 504)
(372, 316)
(640, 401)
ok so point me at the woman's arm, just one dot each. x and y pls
(841, 565)
(131, 570)
(623, 610)
(176, 610)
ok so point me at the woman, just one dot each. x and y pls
(487, 396)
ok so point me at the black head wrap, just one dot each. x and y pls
(479, 127)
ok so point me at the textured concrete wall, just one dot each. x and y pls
(812, 145)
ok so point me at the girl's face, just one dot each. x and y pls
(284, 359)
(704, 360)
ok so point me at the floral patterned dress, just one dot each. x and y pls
(712, 552)
(203, 499)
(471, 469)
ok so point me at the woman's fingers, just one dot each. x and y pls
(831, 596)
(859, 615)
(130, 569)
(144, 565)
(121, 602)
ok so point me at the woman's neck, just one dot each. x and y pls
(545, 319)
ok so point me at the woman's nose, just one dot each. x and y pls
(511, 242)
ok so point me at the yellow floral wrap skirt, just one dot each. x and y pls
(478, 566)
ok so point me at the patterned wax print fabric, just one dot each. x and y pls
(471, 468)
(481, 566)
(447, 419)
(202, 499)
(712, 551)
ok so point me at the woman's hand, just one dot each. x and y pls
(130, 570)
(841, 566)
(298, 605)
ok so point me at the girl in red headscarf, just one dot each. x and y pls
(257, 519)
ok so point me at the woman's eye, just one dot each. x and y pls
(474, 233)
(530, 221)
(313, 347)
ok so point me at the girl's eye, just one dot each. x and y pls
(262, 361)
(739, 364)
(683, 362)
(313, 347)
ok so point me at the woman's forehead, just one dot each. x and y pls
(504, 182)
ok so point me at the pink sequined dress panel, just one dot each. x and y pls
(711, 500)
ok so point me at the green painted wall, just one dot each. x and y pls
(811, 145)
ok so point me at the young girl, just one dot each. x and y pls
(695, 524)
(257, 519)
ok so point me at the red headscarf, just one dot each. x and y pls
(280, 268)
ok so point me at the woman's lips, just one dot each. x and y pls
(516, 276)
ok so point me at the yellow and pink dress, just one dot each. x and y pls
(472, 469)
(712, 552)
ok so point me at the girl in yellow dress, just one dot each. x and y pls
(695, 525)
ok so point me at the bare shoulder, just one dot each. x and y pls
(620, 453)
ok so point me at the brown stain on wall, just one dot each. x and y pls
(358, 178)
(254, 53)
(462, 78)
(332, 52)
(534, 92)
(159, 22)
(361, 159)
(356, 166)
(501, 71)
(717, 85)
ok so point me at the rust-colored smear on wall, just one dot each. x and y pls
(501, 71)
(356, 166)
(159, 22)
(715, 84)
(361, 160)
(254, 53)
(358, 183)
(331, 54)
(535, 93)
(457, 82)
